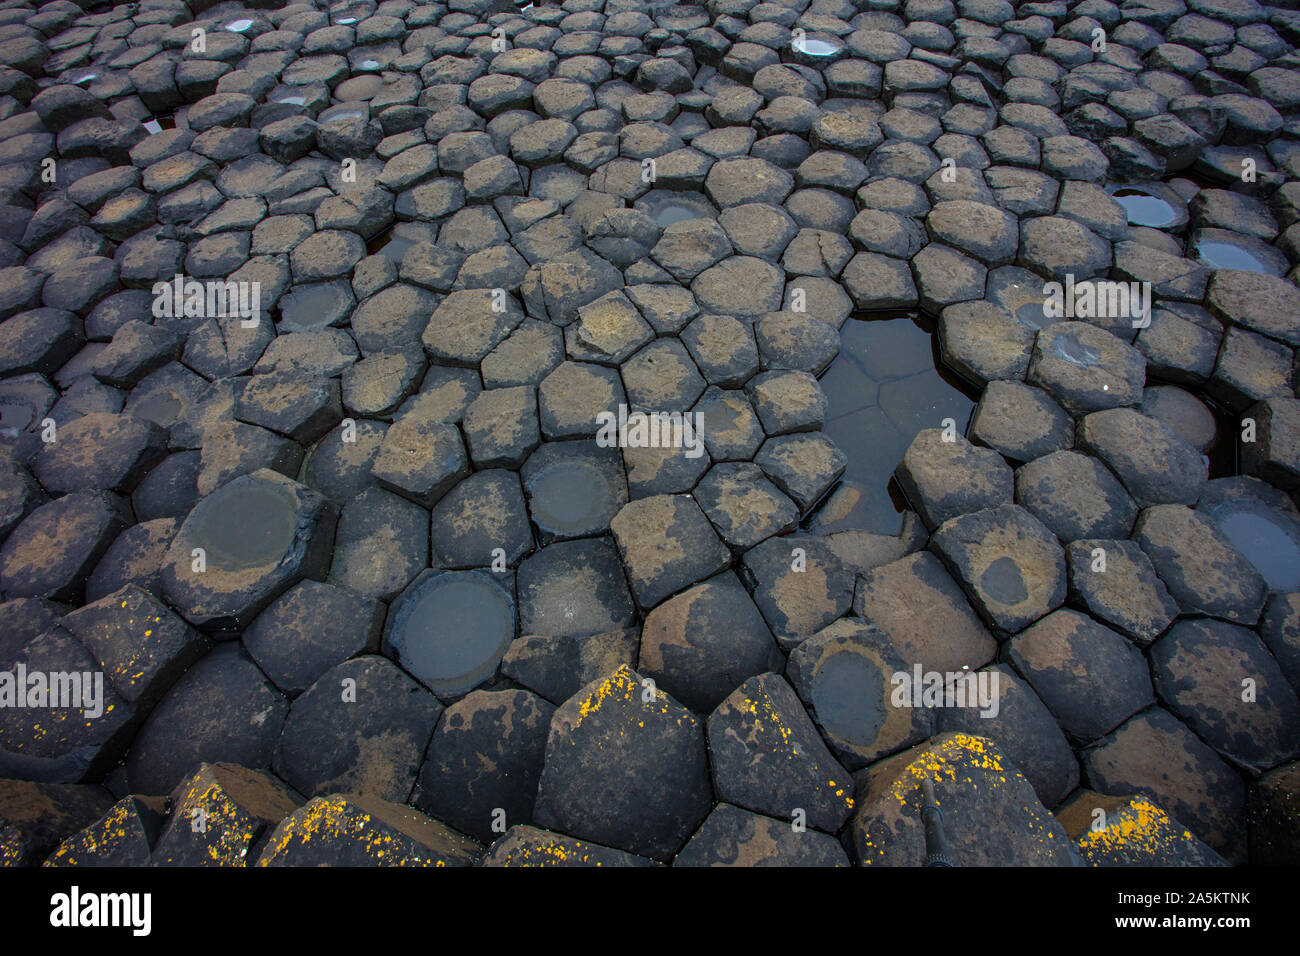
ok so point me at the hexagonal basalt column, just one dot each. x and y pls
(450, 628)
(243, 545)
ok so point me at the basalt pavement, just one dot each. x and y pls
(365, 589)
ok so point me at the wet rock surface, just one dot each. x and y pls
(374, 399)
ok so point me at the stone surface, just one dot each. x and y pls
(657, 789)
(972, 781)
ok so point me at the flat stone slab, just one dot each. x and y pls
(100, 452)
(222, 710)
(705, 642)
(309, 629)
(255, 537)
(1133, 831)
(1086, 368)
(666, 544)
(571, 398)
(574, 588)
(1133, 600)
(483, 762)
(1204, 573)
(347, 830)
(1222, 682)
(949, 638)
(984, 342)
(804, 466)
(1020, 421)
(846, 674)
(649, 748)
(1009, 564)
(361, 728)
(1156, 754)
(945, 479)
(1260, 302)
(559, 666)
(420, 458)
(56, 547)
(743, 505)
(768, 757)
(1154, 462)
(142, 646)
(799, 584)
(529, 846)
(220, 814)
(481, 522)
(1089, 676)
(79, 728)
(975, 786)
(731, 836)
(381, 543)
(1075, 496)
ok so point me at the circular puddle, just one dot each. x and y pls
(1264, 540)
(244, 525)
(1153, 205)
(1221, 249)
(848, 695)
(451, 629)
(811, 45)
(570, 498)
(666, 206)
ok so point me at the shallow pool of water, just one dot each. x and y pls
(817, 46)
(1264, 541)
(1143, 208)
(392, 246)
(667, 206)
(244, 526)
(570, 498)
(886, 385)
(1229, 255)
(848, 694)
(453, 630)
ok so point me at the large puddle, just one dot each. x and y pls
(244, 525)
(886, 385)
(1154, 205)
(570, 499)
(848, 694)
(452, 630)
(1265, 543)
(667, 206)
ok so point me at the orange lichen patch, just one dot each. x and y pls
(1140, 827)
(385, 833)
(625, 686)
(953, 755)
(97, 838)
